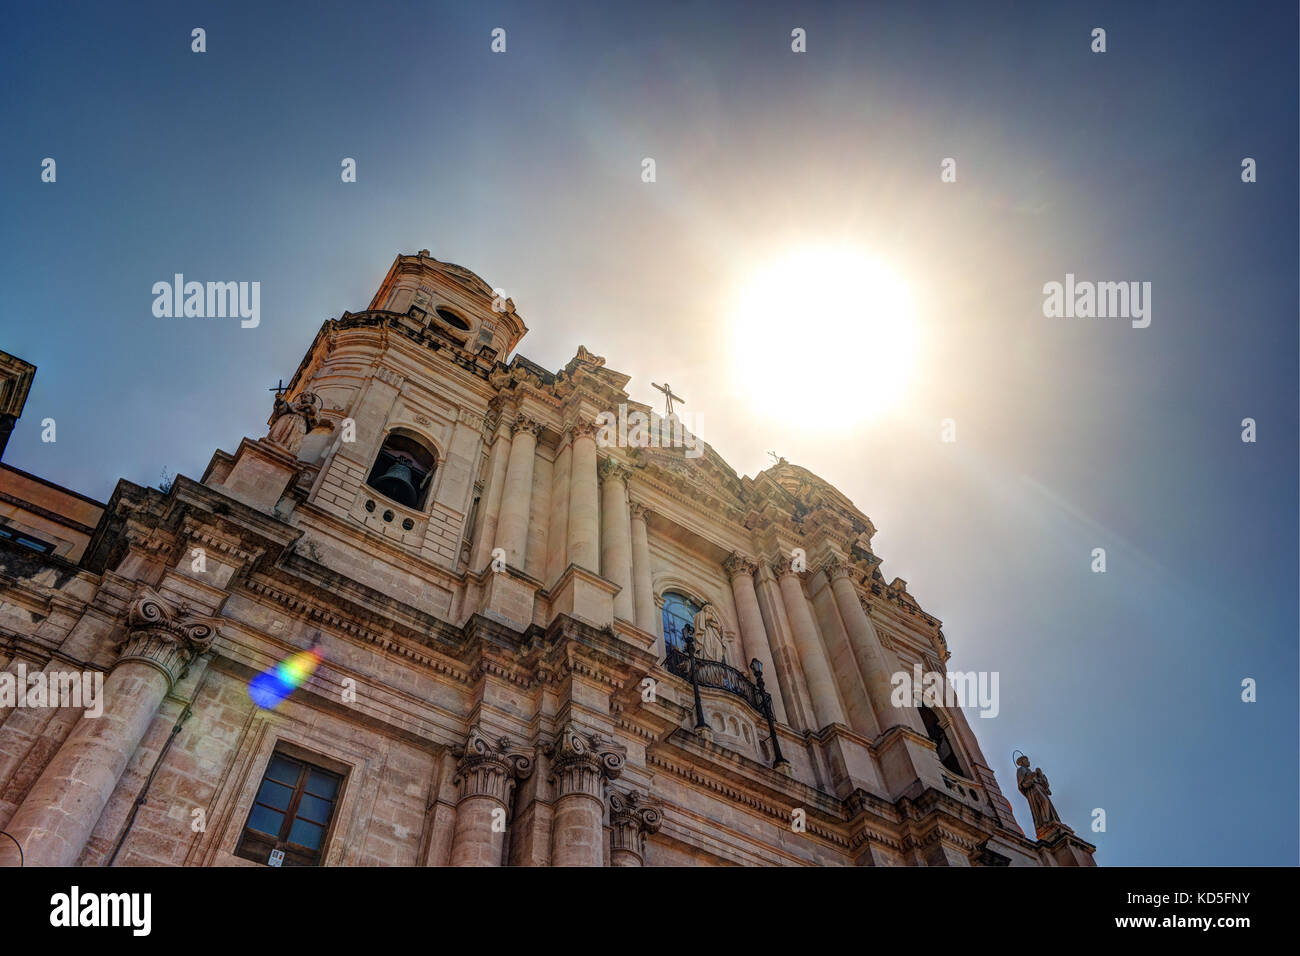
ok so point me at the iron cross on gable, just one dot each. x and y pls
(668, 397)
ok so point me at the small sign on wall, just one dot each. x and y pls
(277, 857)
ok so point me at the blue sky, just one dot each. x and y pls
(525, 167)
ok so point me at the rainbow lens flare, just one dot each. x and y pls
(269, 688)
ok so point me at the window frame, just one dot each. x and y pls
(686, 600)
(256, 845)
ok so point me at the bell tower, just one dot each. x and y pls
(375, 445)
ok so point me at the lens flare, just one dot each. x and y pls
(269, 688)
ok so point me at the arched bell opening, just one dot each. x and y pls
(403, 470)
(942, 745)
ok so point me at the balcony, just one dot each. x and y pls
(718, 676)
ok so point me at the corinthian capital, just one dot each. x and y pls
(487, 767)
(835, 568)
(612, 470)
(638, 510)
(737, 564)
(580, 761)
(781, 566)
(584, 430)
(528, 425)
(165, 635)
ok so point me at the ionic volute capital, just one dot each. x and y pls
(581, 761)
(489, 767)
(165, 635)
(632, 816)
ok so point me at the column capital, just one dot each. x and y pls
(583, 429)
(632, 815)
(610, 469)
(580, 761)
(781, 567)
(489, 767)
(529, 425)
(737, 564)
(165, 635)
(638, 511)
(836, 568)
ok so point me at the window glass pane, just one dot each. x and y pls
(678, 612)
(275, 794)
(266, 820)
(306, 834)
(314, 808)
(284, 770)
(322, 784)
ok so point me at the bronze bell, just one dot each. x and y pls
(396, 483)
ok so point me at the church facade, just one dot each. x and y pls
(516, 618)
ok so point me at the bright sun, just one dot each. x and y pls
(824, 337)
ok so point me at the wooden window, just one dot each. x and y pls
(291, 812)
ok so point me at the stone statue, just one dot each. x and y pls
(1033, 784)
(291, 421)
(708, 635)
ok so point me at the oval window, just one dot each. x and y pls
(452, 319)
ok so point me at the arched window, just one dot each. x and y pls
(934, 730)
(403, 470)
(679, 610)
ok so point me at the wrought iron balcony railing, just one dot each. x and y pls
(719, 676)
(681, 660)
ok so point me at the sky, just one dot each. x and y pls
(527, 167)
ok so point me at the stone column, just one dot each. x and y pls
(584, 500)
(647, 617)
(789, 673)
(876, 664)
(580, 764)
(56, 819)
(490, 506)
(512, 526)
(631, 816)
(486, 773)
(616, 537)
(557, 536)
(812, 656)
(752, 633)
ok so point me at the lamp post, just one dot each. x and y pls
(778, 761)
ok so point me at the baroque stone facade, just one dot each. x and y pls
(537, 647)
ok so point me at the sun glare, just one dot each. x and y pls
(824, 337)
